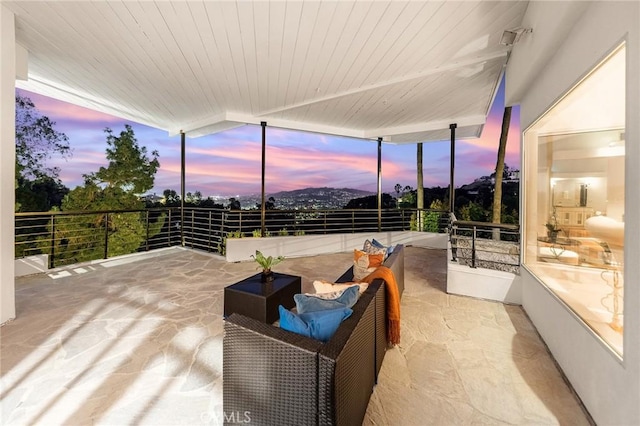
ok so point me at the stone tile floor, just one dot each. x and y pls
(139, 341)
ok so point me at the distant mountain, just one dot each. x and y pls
(332, 198)
(326, 191)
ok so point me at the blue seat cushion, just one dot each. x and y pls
(320, 325)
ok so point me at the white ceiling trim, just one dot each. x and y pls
(477, 120)
(57, 91)
(401, 134)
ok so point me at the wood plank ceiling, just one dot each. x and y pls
(399, 70)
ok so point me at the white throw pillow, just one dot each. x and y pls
(324, 287)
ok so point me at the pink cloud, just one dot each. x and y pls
(63, 110)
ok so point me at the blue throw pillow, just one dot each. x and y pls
(319, 325)
(309, 303)
(378, 244)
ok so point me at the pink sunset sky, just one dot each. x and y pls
(229, 163)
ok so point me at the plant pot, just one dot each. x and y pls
(267, 276)
(553, 235)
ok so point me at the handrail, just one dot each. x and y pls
(85, 212)
(489, 245)
(468, 223)
(69, 237)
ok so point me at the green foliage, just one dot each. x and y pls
(234, 204)
(171, 198)
(298, 232)
(36, 141)
(413, 222)
(371, 202)
(116, 187)
(266, 263)
(129, 167)
(283, 232)
(234, 234)
(257, 233)
(38, 187)
(473, 212)
(431, 218)
(40, 195)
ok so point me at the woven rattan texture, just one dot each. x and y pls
(381, 329)
(272, 380)
(347, 366)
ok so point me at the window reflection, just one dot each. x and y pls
(574, 203)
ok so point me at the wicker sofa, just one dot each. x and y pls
(274, 377)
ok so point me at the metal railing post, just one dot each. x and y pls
(53, 242)
(106, 236)
(169, 229)
(209, 239)
(473, 248)
(193, 224)
(147, 239)
(453, 238)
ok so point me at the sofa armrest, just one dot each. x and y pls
(269, 373)
(395, 262)
(346, 365)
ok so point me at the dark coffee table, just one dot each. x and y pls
(253, 298)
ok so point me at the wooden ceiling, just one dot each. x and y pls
(403, 71)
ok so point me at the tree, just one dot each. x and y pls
(234, 204)
(420, 190)
(500, 169)
(371, 202)
(129, 168)
(36, 142)
(116, 187)
(398, 189)
(40, 195)
(171, 198)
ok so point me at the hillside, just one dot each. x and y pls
(317, 197)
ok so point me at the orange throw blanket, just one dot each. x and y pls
(393, 301)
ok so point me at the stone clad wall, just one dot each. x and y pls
(490, 254)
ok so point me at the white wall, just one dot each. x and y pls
(240, 249)
(7, 163)
(487, 284)
(608, 386)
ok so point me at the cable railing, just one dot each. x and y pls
(81, 236)
(485, 245)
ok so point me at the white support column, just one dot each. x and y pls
(7, 163)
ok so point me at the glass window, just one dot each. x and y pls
(574, 200)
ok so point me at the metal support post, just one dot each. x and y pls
(182, 176)
(452, 191)
(263, 230)
(379, 184)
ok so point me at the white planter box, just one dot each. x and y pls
(240, 249)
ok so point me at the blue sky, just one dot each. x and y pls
(229, 163)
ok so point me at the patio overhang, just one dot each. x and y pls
(403, 71)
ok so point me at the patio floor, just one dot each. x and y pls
(139, 341)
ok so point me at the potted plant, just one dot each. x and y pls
(552, 230)
(266, 263)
